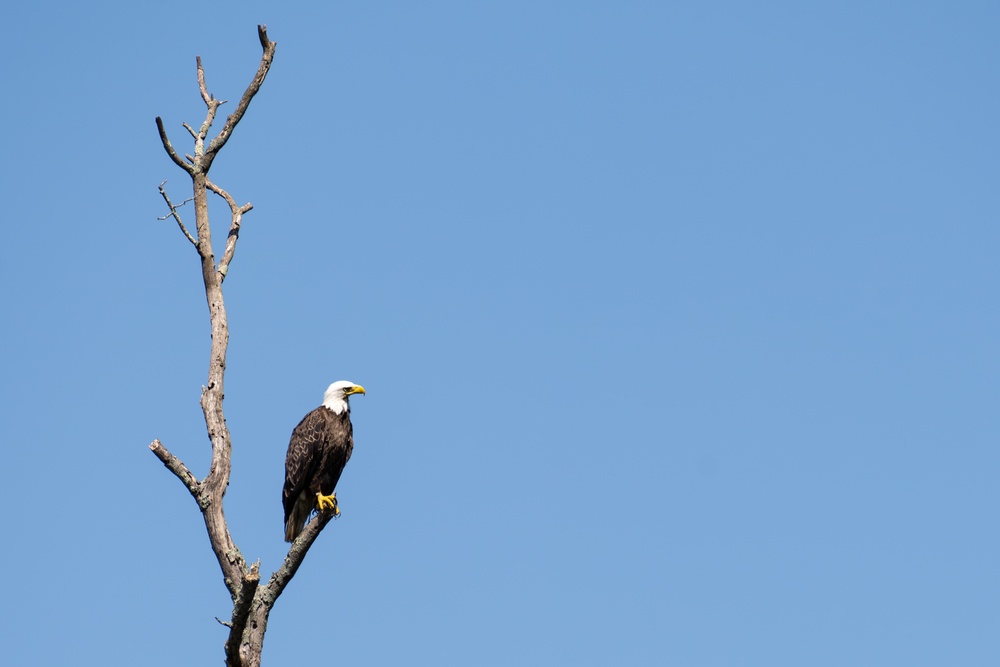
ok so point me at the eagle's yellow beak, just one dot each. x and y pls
(356, 389)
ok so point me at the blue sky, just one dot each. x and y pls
(678, 323)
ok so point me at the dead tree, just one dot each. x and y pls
(252, 600)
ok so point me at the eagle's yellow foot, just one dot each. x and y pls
(327, 503)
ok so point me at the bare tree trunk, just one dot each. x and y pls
(252, 601)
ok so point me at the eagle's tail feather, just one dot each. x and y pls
(298, 517)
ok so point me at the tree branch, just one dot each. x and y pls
(176, 216)
(175, 466)
(265, 64)
(202, 88)
(212, 104)
(234, 227)
(170, 149)
(297, 552)
(229, 556)
(265, 596)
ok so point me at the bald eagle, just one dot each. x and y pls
(319, 449)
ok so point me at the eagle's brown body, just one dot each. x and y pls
(318, 451)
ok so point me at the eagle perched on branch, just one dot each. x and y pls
(319, 449)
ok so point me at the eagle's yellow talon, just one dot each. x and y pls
(327, 503)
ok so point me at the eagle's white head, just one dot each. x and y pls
(337, 394)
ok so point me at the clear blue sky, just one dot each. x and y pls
(678, 322)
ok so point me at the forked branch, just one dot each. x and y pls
(266, 595)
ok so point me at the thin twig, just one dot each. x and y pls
(171, 214)
(176, 216)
